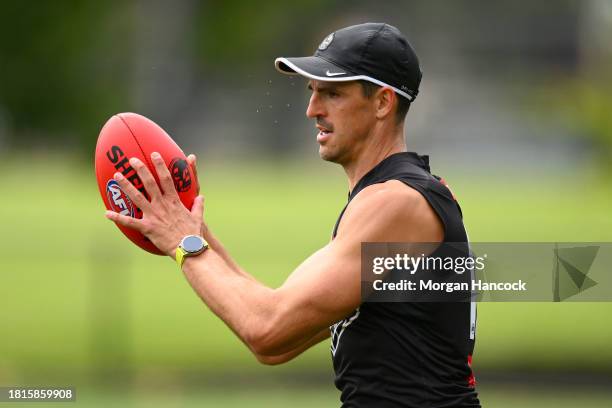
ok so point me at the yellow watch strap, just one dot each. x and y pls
(180, 256)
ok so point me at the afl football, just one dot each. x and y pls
(128, 135)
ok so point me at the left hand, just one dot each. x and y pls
(165, 220)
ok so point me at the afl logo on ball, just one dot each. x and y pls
(118, 200)
(181, 175)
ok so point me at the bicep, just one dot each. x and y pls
(321, 291)
(325, 287)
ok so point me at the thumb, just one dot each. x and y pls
(197, 208)
(192, 161)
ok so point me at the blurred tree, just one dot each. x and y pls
(235, 45)
(589, 108)
(232, 33)
(582, 104)
(63, 69)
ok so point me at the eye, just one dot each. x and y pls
(333, 94)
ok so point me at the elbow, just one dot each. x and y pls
(272, 334)
(264, 343)
(270, 360)
(269, 337)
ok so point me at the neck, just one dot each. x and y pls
(379, 148)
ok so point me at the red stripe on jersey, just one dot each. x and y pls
(445, 184)
(471, 378)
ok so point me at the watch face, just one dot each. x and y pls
(193, 244)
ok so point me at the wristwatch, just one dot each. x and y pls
(191, 245)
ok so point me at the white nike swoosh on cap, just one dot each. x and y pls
(334, 73)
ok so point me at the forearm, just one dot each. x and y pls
(218, 247)
(256, 313)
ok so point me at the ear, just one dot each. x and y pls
(385, 100)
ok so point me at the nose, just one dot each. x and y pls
(315, 107)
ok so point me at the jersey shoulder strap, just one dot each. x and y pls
(413, 170)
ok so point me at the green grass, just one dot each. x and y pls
(86, 297)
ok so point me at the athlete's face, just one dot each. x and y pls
(344, 118)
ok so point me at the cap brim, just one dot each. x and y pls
(313, 68)
(322, 70)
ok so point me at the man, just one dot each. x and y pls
(363, 79)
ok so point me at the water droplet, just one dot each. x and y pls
(257, 110)
(276, 121)
(267, 93)
(288, 105)
(270, 106)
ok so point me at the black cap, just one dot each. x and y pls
(374, 52)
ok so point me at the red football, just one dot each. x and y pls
(128, 135)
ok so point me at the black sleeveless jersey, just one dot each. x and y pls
(408, 354)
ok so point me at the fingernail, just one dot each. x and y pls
(134, 161)
(118, 176)
(155, 155)
(109, 214)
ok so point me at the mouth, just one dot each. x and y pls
(324, 134)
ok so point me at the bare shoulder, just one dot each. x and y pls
(391, 211)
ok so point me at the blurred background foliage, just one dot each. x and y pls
(69, 65)
(514, 109)
(585, 104)
(63, 66)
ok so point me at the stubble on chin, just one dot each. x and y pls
(325, 157)
(329, 155)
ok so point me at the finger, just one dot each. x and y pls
(198, 207)
(165, 179)
(124, 220)
(146, 177)
(129, 189)
(192, 160)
